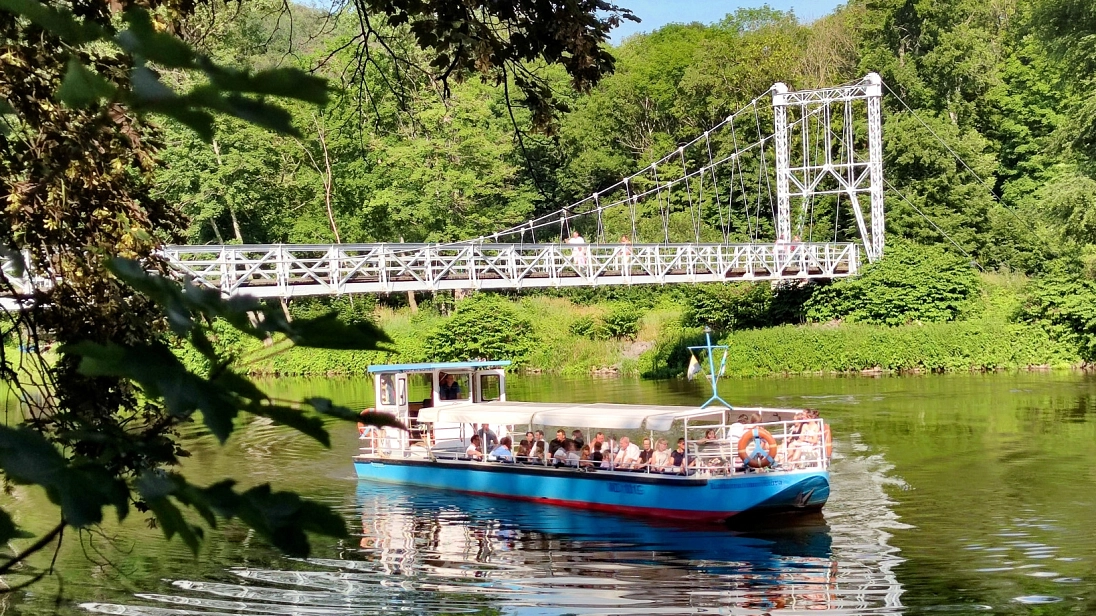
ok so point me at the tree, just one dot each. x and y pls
(79, 80)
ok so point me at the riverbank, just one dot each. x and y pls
(560, 336)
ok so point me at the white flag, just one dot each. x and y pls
(694, 368)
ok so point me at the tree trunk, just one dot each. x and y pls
(216, 231)
(235, 225)
(411, 301)
(231, 211)
(326, 174)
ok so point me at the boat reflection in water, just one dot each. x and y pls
(423, 551)
(534, 559)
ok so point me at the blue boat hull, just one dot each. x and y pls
(666, 497)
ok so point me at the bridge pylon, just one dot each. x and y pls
(821, 153)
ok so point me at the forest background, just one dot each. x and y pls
(990, 144)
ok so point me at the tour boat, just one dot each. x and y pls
(775, 463)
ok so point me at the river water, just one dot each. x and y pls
(965, 494)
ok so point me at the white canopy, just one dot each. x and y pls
(609, 416)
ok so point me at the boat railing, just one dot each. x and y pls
(796, 444)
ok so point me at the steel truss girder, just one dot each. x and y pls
(286, 271)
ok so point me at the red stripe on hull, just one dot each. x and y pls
(710, 517)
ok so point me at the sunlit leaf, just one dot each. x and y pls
(82, 87)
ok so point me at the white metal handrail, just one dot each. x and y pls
(302, 270)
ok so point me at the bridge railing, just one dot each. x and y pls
(300, 270)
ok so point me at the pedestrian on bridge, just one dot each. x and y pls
(579, 253)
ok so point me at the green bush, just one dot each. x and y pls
(911, 283)
(726, 307)
(622, 321)
(584, 326)
(482, 327)
(1064, 305)
(352, 309)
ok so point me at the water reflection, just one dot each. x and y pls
(426, 551)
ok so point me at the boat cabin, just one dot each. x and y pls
(404, 390)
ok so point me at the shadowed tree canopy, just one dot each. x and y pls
(83, 84)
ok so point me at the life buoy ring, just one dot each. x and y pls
(762, 456)
(828, 440)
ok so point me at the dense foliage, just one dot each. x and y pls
(911, 283)
(724, 307)
(482, 327)
(1064, 304)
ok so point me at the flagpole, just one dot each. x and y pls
(712, 376)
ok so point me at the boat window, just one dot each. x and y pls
(388, 389)
(455, 386)
(490, 387)
(420, 386)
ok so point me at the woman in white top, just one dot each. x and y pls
(661, 460)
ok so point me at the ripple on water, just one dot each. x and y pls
(1037, 599)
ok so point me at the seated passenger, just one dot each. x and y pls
(576, 436)
(584, 460)
(474, 450)
(628, 456)
(596, 457)
(737, 429)
(537, 452)
(521, 452)
(502, 452)
(645, 455)
(556, 443)
(489, 438)
(559, 458)
(708, 450)
(677, 457)
(449, 388)
(573, 459)
(661, 460)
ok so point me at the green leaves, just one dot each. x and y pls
(282, 518)
(81, 87)
(224, 393)
(913, 282)
(80, 489)
(237, 93)
(61, 23)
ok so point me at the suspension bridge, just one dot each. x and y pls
(747, 190)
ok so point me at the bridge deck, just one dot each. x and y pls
(302, 270)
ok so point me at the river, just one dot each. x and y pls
(959, 494)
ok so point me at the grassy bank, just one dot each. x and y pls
(825, 349)
(558, 339)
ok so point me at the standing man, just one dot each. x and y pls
(487, 437)
(450, 388)
(579, 253)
